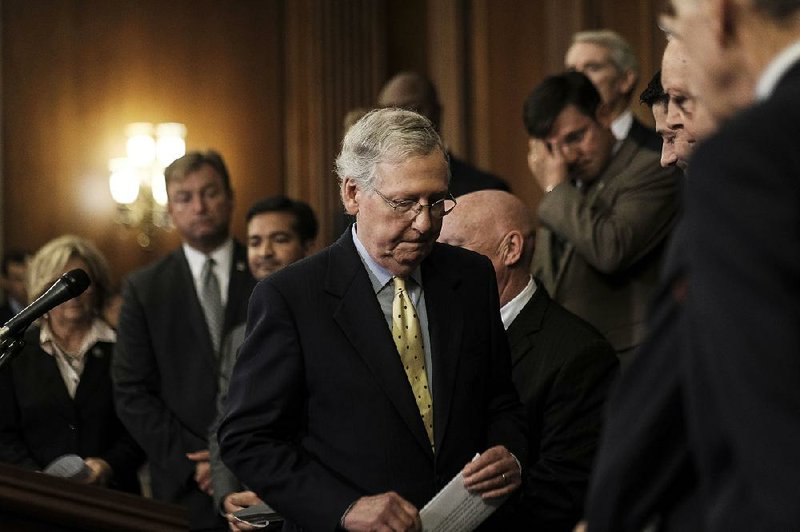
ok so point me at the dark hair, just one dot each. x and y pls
(553, 95)
(305, 222)
(777, 9)
(192, 161)
(15, 256)
(654, 93)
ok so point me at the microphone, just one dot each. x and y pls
(71, 284)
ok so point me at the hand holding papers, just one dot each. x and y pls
(473, 494)
(454, 509)
(69, 466)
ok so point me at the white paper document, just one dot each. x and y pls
(454, 509)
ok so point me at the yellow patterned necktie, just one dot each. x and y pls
(408, 339)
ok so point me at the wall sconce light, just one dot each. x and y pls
(137, 181)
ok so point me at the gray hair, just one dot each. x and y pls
(385, 136)
(622, 54)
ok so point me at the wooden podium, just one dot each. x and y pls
(31, 501)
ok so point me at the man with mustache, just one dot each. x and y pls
(607, 209)
(374, 371)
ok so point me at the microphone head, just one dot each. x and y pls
(76, 281)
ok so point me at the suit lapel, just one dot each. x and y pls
(445, 304)
(190, 304)
(52, 385)
(95, 369)
(361, 319)
(527, 324)
(239, 288)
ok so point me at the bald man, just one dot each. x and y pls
(415, 92)
(562, 367)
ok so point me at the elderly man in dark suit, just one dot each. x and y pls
(607, 210)
(645, 471)
(742, 371)
(561, 366)
(373, 372)
(174, 314)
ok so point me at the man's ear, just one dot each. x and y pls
(351, 194)
(511, 248)
(627, 82)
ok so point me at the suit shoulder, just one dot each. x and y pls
(303, 272)
(579, 328)
(162, 268)
(644, 169)
(456, 257)
(577, 335)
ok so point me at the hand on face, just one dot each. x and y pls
(546, 163)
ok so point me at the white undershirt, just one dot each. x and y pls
(511, 310)
(223, 256)
(776, 69)
(621, 125)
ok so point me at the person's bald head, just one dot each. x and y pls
(412, 91)
(499, 225)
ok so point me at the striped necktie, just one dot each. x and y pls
(211, 299)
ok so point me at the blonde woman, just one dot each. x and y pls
(56, 395)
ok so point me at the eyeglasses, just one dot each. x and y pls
(438, 209)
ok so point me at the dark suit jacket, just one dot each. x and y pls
(743, 306)
(644, 471)
(562, 368)
(165, 372)
(645, 136)
(40, 422)
(465, 178)
(614, 234)
(320, 412)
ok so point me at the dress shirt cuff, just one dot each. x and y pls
(341, 521)
(519, 465)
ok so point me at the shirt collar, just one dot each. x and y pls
(100, 332)
(511, 310)
(379, 275)
(621, 125)
(776, 69)
(223, 256)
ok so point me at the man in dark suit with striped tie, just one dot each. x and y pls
(173, 316)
